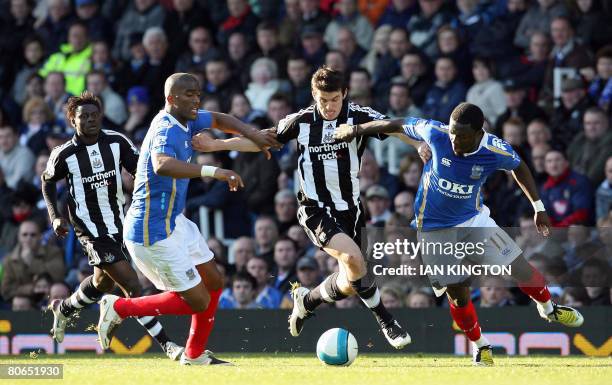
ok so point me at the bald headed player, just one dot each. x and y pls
(167, 247)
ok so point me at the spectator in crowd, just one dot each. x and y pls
(589, 150)
(264, 83)
(269, 46)
(305, 246)
(101, 60)
(449, 44)
(604, 193)
(390, 297)
(56, 24)
(378, 49)
(33, 56)
(513, 132)
(566, 194)
(218, 82)
(242, 294)
(89, 12)
(424, 25)
(538, 19)
(313, 16)
(243, 250)
(371, 173)
(346, 43)
(72, 59)
(360, 81)
(258, 175)
(27, 259)
(487, 93)
(538, 133)
(308, 274)
(312, 46)
(266, 234)
(158, 67)
(447, 92)
(575, 297)
(494, 292)
(201, 50)
(56, 95)
(21, 303)
(336, 60)
(403, 203)
(299, 83)
(239, 59)
(567, 52)
(388, 66)
(34, 86)
(595, 278)
(241, 19)
(215, 195)
(267, 297)
(398, 12)
(241, 109)
(59, 290)
(414, 72)
(538, 155)
(517, 104)
(400, 103)
(471, 18)
(37, 120)
(139, 113)
(285, 258)
(377, 202)
(567, 119)
(140, 16)
(373, 9)
(285, 208)
(114, 107)
(40, 290)
(419, 300)
(179, 22)
(600, 89)
(16, 160)
(411, 168)
(289, 27)
(349, 17)
(592, 27)
(530, 69)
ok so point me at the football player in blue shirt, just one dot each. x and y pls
(449, 208)
(166, 246)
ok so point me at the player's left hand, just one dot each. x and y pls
(264, 141)
(203, 142)
(231, 177)
(424, 152)
(542, 222)
(345, 133)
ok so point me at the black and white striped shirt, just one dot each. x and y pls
(328, 169)
(93, 173)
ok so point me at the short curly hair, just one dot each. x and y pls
(75, 101)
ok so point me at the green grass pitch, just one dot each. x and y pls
(294, 369)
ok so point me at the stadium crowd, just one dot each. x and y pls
(541, 70)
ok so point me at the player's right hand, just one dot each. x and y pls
(60, 227)
(424, 152)
(203, 142)
(345, 133)
(232, 178)
(264, 141)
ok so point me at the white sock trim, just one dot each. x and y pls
(324, 294)
(482, 341)
(546, 306)
(373, 301)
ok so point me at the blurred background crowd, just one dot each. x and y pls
(541, 70)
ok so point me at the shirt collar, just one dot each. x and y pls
(173, 120)
(77, 142)
(483, 143)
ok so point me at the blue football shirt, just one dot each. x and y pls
(157, 200)
(449, 192)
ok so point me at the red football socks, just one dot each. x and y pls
(535, 287)
(201, 325)
(168, 302)
(467, 320)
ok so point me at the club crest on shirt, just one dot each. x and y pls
(108, 258)
(328, 132)
(97, 163)
(477, 172)
(190, 274)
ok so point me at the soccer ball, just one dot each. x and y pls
(337, 347)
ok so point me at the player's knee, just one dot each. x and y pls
(200, 304)
(104, 283)
(352, 261)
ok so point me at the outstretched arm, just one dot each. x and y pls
(525, 180)
(347, 133)
(230, 124)
(204, 143)
(166, 165)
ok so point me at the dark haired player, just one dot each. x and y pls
(463, 156)
(166, 246)
(329, 206)
(91, 162)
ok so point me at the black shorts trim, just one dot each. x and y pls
(322, 223)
